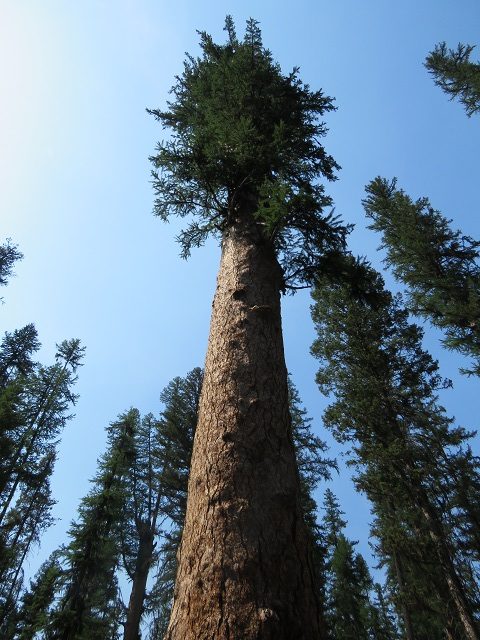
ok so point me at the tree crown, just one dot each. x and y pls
(245, 143)
(453, 71)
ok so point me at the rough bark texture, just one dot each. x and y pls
(244, 565)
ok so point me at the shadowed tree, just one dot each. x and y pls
(243, 160)
(350, 611)
(407, 453)
(36, 603)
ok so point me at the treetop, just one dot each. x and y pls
(245, 143)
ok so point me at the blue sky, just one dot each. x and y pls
(75, 80)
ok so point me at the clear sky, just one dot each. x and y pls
(75, 78)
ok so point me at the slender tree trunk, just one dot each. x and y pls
(454, 583)
(406, 617)
(139, 585)
(245, 569)
(436, 532)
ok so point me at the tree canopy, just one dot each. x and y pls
(245, 141)
(439, 265)
(454, 72)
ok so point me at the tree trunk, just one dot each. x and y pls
(245, 569)
(436, 532)
(406, 617)
(139, 584)
(454, 583)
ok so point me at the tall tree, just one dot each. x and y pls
(88, 607)
(440, 266)
(37, 601)
(244, 158)
(351, 612)
(141, 515)
(456, 74)
(404, 446)
(156, 488)
(176, 430)
(34, 405)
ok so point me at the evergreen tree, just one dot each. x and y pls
(456, 75)
(243, 160)
(156, 489)
(37, 601)
(34, 401)
(439, 266)
(176, 430)
(349, 593)
(383, 620)
(141, 512)
(9, 254)
(88, 607)
(403, 446)
(350, 610)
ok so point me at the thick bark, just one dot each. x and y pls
(244, 564)
(139, 584)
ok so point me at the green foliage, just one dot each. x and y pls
(88, 606)
(456, 75)
(406, 452)
(439, 266)
(34, 400)
(349, 593)
(350, 610)
(383, 620)
(33, 615)
(9, 254)
(245, 143)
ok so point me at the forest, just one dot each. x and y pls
(216, 515)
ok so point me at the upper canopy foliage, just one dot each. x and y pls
(245, 142)
(439, 265)
(456, 74)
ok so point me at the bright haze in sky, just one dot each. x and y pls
(75, 193)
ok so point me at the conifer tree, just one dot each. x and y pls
(141, 513)
(34, 401)
(404, 447)
(156, 487)
(243, 161)
(9, 255)
(439, 266)
(383, 620)
(176, 430)
(37, 601)
(350, 610)
(88, 607)
(456, 74)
